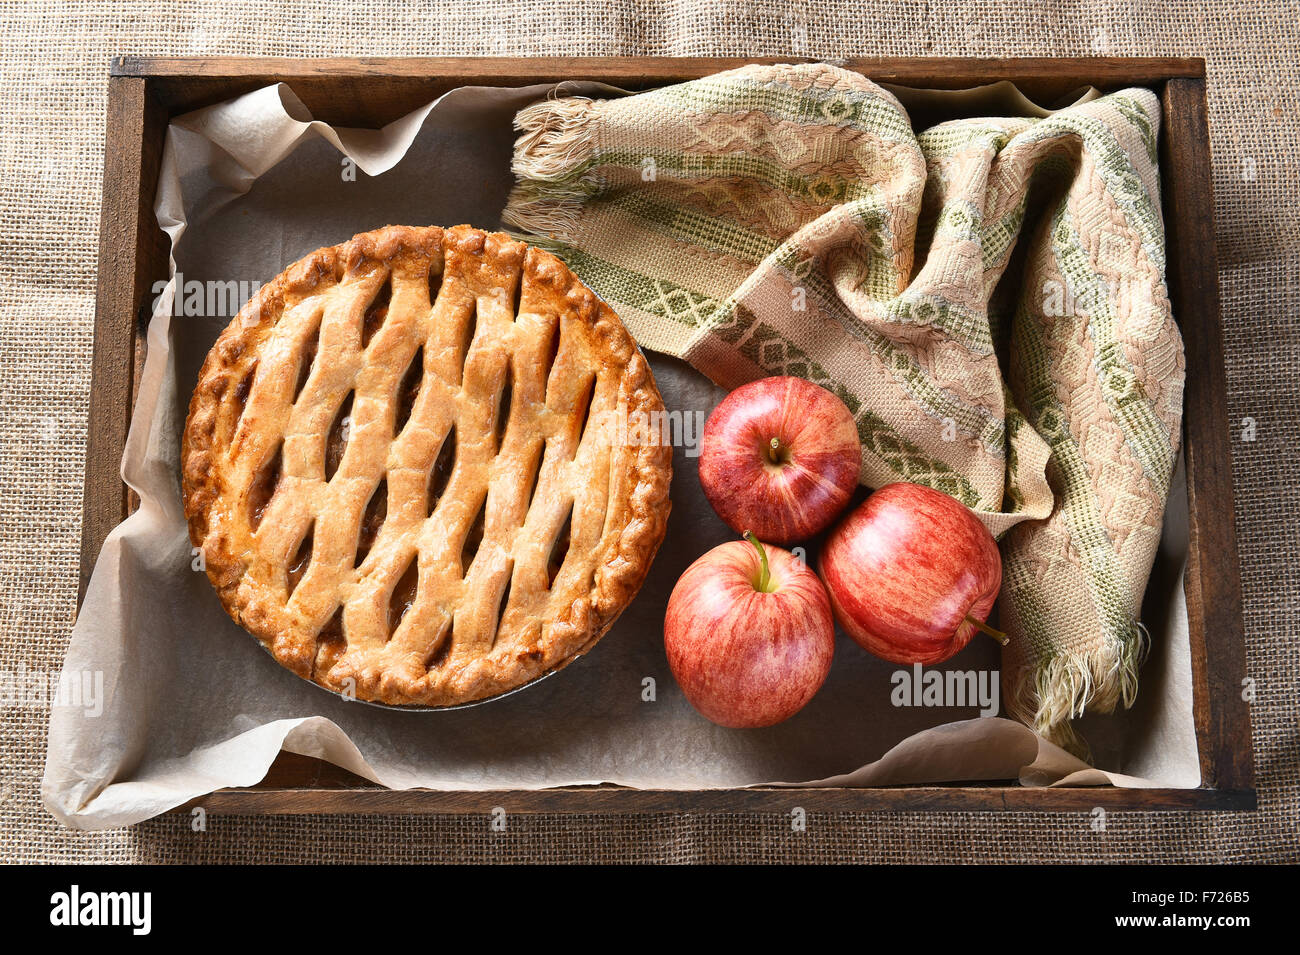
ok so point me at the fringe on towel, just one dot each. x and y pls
(552, 166)
(1050, 693)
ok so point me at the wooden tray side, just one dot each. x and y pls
(1213, 580)
(145, 92)
(611, 799)
(132, 254)
(372, 91)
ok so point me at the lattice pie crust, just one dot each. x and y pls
(399, 468)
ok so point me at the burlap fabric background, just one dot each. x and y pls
(51, 141)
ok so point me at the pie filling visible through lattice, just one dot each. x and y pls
(407, 465)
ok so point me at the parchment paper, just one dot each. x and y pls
(192, 703)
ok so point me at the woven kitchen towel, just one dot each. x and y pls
(987, 297)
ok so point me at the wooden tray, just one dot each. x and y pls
(143, 95)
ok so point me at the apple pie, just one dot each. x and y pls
(407, 466)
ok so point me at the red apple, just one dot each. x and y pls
(780, 457)
(749, 634)
(912, 574)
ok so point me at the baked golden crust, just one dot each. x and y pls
(407, 464)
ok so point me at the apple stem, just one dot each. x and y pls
(983, 627)
(765, 574)
(774, 451)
